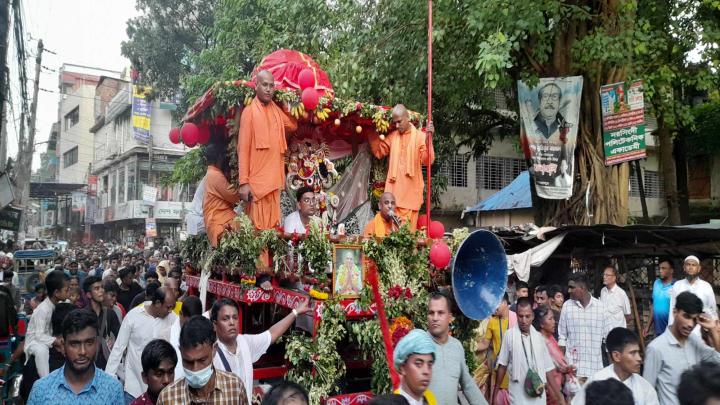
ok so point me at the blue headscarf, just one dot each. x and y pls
(416, 342)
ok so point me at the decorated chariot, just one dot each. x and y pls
(367, 292)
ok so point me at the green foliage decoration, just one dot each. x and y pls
(316, 363)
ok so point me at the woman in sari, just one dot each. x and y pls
(544, 322)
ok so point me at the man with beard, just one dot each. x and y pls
(623, 347)
(524, 349)
(450, 370)
(678, 349)
(694, 284)
(78, 381)
(660, 308)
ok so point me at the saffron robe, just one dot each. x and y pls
(261, 159)
(379, 227)
(218, 204)
(408, 153)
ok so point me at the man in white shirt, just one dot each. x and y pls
(615, 300)
(299, 221)
(39, 337)
(194, 219)
(524, 348)
(679, 348)
(693, 283)
(624, 349)
(141, 325)
(235, 352)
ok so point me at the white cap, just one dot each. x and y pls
(692, 258)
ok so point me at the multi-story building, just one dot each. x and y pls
(123, 166)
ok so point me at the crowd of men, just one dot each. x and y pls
(133, 335)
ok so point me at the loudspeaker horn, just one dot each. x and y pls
(479, 274)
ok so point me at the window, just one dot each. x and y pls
(121, 185)
(455, 169)
(72, 118)
(113, 182)
(494, 172)
(132, 182)
(652, 182)
(70, 157)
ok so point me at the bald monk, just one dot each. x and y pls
(383, 224)
(408, 153)
(261, 153)
(220, 201)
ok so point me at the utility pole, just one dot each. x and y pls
(4, 78)
(27, 149)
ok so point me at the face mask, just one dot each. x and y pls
(198, 379)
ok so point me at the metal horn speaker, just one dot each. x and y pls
(479, 274)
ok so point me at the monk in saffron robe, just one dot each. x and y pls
(261, 153)
(408, 153)
(383, 224)
(219, 202)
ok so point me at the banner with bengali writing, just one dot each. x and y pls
(623, 118)
(141, 109)
(550, 114)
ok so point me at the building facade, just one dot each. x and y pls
(123, 168)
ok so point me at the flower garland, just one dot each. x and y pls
(316, 363)
(231, 96)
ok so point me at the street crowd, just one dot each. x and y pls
(111, 325)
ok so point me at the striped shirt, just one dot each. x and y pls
(582, 331)
(229, 390)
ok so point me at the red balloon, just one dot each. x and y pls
(310, 98)
(422, 221)
(190, 134)
(437, 229)
(203, 134)
(175, 135)
(306, 79)
(440, 255)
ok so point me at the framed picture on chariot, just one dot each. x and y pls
(348, 276)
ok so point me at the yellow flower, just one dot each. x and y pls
(318, 295)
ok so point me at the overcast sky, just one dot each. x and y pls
(82, 32)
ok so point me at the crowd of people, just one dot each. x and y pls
(114, 326)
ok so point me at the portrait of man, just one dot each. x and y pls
(348, 274)
(549, 119)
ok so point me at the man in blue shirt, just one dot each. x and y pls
(660, 308)
(78, 381)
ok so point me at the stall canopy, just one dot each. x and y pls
(515, 195)
(612, 241)
(51, 190)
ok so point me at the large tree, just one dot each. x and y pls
(551, 38)
(164, 38)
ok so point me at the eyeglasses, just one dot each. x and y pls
(551, 96)
(309, 200)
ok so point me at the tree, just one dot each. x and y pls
(163, 40)
(557, 38)
(668, 33)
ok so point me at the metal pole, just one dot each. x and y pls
(28, 148)
(4, 78)
(641, 188)
(428, 145)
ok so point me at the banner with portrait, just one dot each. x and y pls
(550, 113)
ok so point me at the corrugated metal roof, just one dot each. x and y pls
(515, 195)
